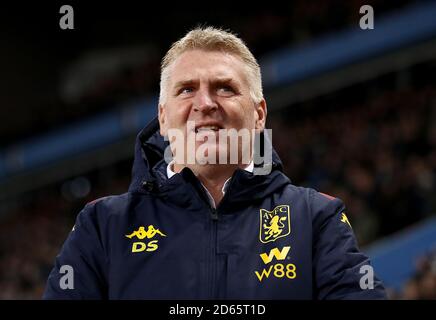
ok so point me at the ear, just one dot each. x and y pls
(260, 115)
(162, 120)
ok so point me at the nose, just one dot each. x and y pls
(204, 102)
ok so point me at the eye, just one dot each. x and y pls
(226, 90)
(185, 90)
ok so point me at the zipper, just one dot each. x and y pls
(214, 214)
(213, 243)
(213, 254)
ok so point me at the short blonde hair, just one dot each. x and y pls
(212, 39)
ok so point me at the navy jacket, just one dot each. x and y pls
(267, 239)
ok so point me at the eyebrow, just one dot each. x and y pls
(226, 81)
(190, 82)
(184, 83)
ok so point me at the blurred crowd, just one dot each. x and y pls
(422, 284)
(32, 234)
(28, 244)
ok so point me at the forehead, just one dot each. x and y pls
(207, 65)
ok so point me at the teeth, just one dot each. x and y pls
(214, 128)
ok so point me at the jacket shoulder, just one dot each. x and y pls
(107, 206)
(320, 205)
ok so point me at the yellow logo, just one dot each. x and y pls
(277, 270)
(275, 253)
(141, 234)
(344, 219)
(274, 224)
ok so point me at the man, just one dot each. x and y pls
(211, 229)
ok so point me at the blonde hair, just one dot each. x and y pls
(212, 39)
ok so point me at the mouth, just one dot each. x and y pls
(207, 128)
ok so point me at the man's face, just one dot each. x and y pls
(210, 88)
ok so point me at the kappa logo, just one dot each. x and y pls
(344, 219)
(141, 234)
(274, 224)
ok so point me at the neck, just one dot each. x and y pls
(212, 177)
